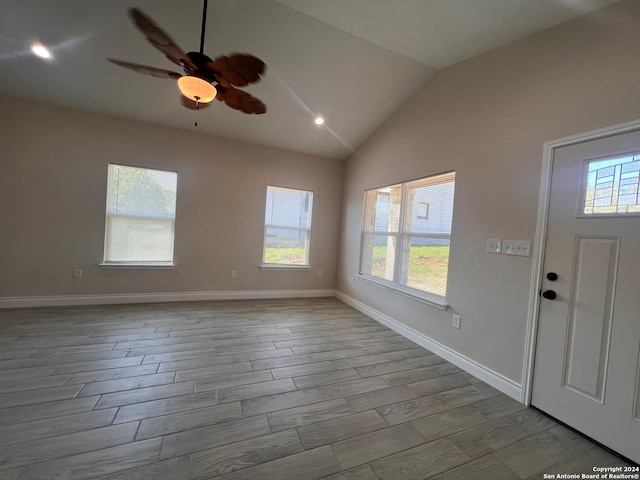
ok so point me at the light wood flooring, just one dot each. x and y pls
(294, 389)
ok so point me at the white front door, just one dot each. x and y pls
(587, 361)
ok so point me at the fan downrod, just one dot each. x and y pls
(204, 26)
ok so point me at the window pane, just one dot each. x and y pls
(379, 257)
(430, 205)
(417, 218)
(288, 208)
(286, 246)
(139, 239)
(141, 206)
(287, 226)
(383, 207)
(141, 191)
(612, 186)
(427, 264)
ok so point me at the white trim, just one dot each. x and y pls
(412, 293)
(539, 243)
(67, 300)
(495, 379)
(137, 266)
(283, 266)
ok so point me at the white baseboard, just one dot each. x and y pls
(67, 300)
(496, 380)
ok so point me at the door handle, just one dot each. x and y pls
(549, 294)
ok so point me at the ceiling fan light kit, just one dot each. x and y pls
(197, 89)
(203, 79)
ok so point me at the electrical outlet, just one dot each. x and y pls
(234, 274)
(320, 273)
(77, 273)
(455, 322)
(494, 245)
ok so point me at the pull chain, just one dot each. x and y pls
(195, 124)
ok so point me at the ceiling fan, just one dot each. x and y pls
(203, 79)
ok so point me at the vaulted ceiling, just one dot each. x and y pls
(353, 61)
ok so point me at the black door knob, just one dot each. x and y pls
(549, 294)
(551, 276)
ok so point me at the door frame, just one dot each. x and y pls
(531, 332)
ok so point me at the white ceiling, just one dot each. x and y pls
(353, 61)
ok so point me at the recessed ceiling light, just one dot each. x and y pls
(319, 120)
(40, 50)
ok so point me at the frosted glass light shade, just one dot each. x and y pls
(40, 50)
(197, 89)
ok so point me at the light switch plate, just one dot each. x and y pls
(520, 248)
(494, 245)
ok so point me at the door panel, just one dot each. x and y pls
(587, 361)
(590, 315)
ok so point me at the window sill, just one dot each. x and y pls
(138, 266)
(423, 297)
(277, 266)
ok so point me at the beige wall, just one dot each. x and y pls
(52, 205)
(488, 119)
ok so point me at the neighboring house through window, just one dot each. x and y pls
(422, 211)
(287, 227)
(140, 219)
(406, 235)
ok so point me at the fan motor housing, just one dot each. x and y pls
(199, 60)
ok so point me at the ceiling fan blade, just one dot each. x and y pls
(223, 82)
(241, 100)
(239, 69)
(248, 62)
(159, 38)
(191, 105)
(156, 72)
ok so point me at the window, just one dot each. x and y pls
(423, 211)
(287, 227)
(406, 235)
(141, 213)
(611, 186)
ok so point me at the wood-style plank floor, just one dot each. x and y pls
(294, 389)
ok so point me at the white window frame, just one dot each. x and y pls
(306, 230)
(401, 236)
(109, 216)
